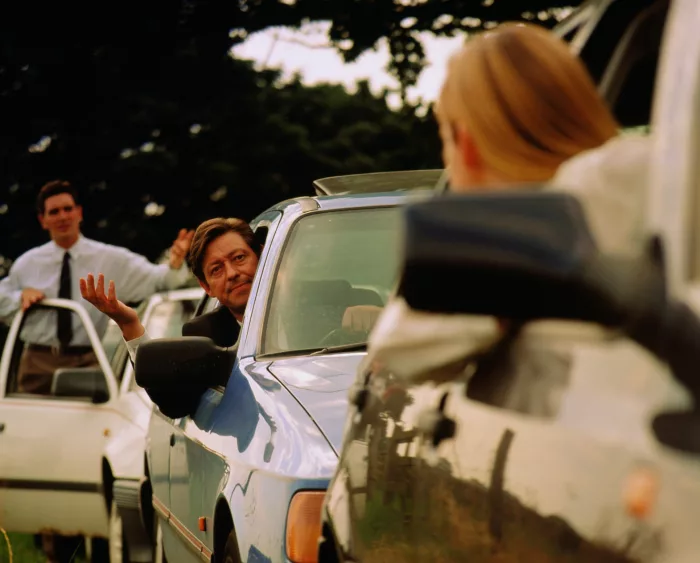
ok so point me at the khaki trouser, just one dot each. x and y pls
(36, 369)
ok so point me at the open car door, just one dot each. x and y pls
(51, 444)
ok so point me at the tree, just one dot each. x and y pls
(161, 128)
(357, 25)
(140, 104)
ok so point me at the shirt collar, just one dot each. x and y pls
(74, 250)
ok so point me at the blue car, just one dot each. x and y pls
(242, 478)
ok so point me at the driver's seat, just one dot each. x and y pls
(318, 309)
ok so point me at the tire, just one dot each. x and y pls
(100, 551)
(158, 551)
(118, 548)
(231, 554)
(64, 548)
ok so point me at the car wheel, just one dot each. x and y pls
(99, 550)
(118, 549)
(158, 551)
(231, 554)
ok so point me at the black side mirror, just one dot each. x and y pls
(176, 371)
(517, 255)
(86, 383)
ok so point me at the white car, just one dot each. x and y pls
(73, 461)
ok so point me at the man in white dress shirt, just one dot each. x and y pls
(56, 339)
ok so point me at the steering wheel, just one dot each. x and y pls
(340, 336)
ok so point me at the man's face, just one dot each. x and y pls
(62, 218)
(229, 267)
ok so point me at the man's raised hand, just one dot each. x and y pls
(125, 317)
(180, 248)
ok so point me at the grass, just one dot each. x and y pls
(23, 550)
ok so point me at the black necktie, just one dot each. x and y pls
(65, 326)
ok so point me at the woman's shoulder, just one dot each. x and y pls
(623, 159)
(611, 182)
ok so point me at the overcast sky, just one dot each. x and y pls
(308, 52)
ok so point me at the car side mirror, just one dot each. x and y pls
(517, 255)
(176, 371)
(86, 383)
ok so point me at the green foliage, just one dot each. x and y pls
(24, 551)
(140, 102)
(153, 110)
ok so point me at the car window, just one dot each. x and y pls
(332, 261)
(167, 318)
(39, 370)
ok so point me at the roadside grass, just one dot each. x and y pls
(23, 550)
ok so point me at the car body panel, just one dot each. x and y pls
(524, 486)
(321, 384)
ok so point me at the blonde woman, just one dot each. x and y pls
(517, 108)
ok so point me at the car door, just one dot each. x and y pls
(163, 318)
(562, 466)
(196, 469)
(50, 467)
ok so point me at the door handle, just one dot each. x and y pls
(2, 426)
(172, 439)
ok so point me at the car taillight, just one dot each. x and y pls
(304, 526)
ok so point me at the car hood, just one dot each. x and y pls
(321, 384)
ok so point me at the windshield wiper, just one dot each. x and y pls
(341, 348)
(316, 351)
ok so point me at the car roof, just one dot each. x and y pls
(303, 205)
(378, 182)
(375, 189)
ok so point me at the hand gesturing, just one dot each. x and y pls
(109, 304)
(180, 248)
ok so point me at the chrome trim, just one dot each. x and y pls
(190, 540)
(308, 204)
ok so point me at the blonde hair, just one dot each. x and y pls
(526, 101)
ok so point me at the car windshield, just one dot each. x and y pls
(332, 261)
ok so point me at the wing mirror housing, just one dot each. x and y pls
(176, 371)
(516, 255)
(86, 383)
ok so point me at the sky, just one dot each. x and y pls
(308, 52)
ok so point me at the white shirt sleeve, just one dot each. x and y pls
(133, 345)
(10, 294)
(611, 183)
(138, 279)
